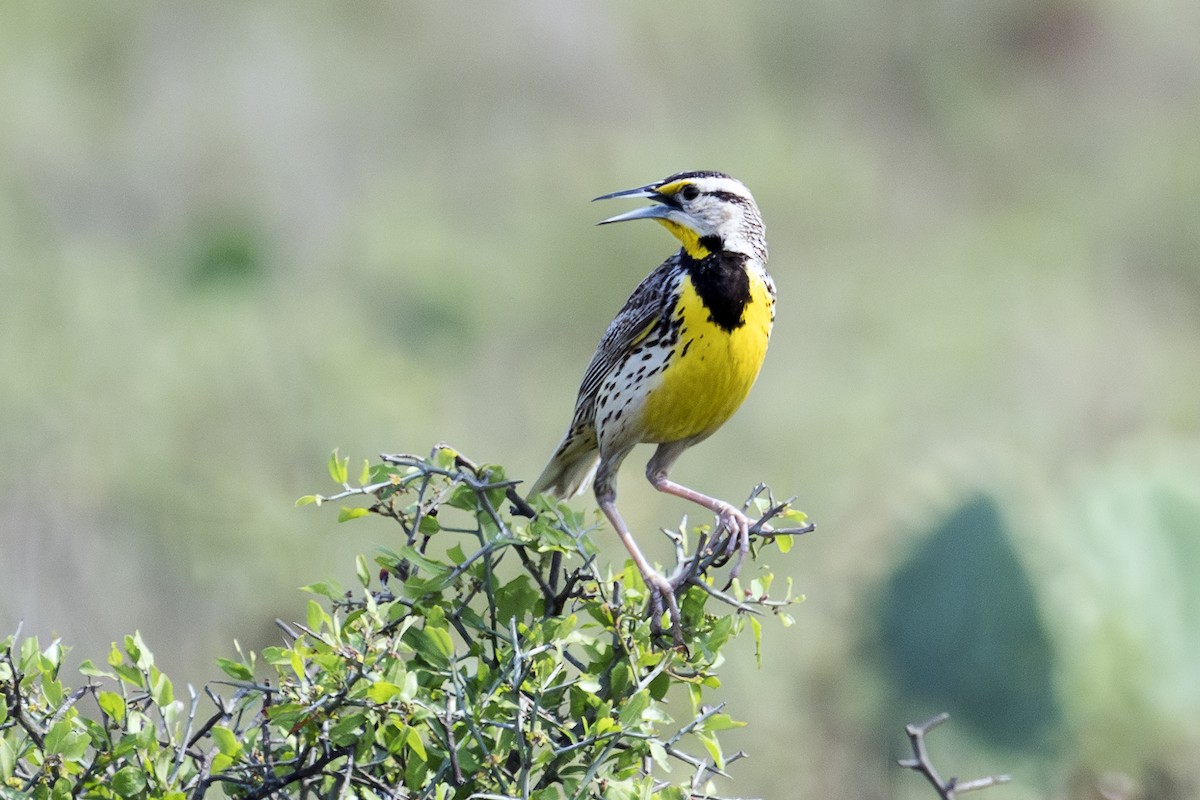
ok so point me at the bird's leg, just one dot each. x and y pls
(729, 517)
(661, 590)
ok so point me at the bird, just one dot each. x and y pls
(677, 360)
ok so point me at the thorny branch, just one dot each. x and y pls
(713, 549)
(12, 697)
(920, 762)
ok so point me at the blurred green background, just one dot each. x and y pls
(234, 236)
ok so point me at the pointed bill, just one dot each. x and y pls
(649, 190)
(649, 212)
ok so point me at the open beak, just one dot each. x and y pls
(648, 212)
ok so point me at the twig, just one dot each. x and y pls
(12, 696)
(347, 774)
(724, 598)
(221, 715)
(72, 699)
(298, 775)
(920, 762)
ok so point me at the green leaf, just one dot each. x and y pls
(517, 598)
(382, 691)
(274, 655)
(128, 781)
(348, 513)
(316, 616)
(627, 789)
(415, 556)
(226, 741)
(52, 658)
(383, 472)
(756, 627)
(413, 740)
(720, 722)
(713, 746)
(492, 473)
(659, 685)
(130, 675)
(30, 652)
(330, 589)
(364, 477)
(433, 644)
(603, 725)
(463, 497)
(339, 468)
(146, 735)
(138, 652)
(362, 570)
(444, 457)
(296, 662)
(631, 711)
(619, 679)
(659, 754)
(63, 739)
(52, 690)
(162, 692)
(347, 730)
(784, 541)
(111, 704)
(235, 669)
(8, 760)
(307, 499)
(795, 515)
(92, 671)
(410, 687)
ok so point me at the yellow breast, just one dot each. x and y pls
(712, 369)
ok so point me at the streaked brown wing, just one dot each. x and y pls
(641, 312)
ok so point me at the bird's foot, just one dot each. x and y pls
(662, 597)
(734, 520)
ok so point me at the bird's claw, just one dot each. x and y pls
(734, 520)
(737, 524)
(662, 593)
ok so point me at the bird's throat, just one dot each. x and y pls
(723, 286)
(693, 244)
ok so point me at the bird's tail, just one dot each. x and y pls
(571, 469)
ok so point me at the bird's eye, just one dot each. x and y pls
(689, 192)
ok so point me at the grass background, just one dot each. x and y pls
(235, 236)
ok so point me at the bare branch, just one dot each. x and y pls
(920, 762)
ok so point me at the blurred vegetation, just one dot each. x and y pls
(233, 237)
(944, 644)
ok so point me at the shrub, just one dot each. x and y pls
(488, 654)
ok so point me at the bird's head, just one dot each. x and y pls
(708, 212)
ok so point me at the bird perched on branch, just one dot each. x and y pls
(678, 359)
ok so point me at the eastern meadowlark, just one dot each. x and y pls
(678, 359)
